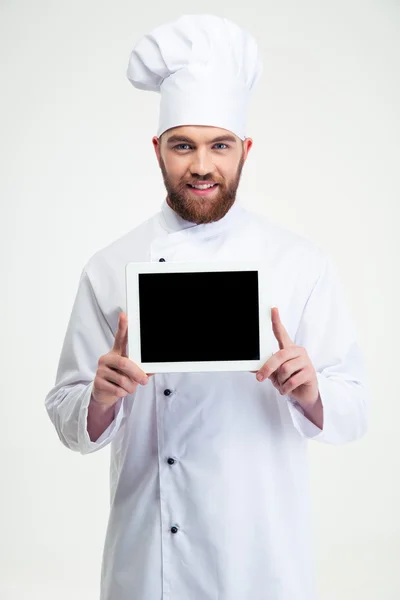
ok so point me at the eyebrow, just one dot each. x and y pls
(179, 138)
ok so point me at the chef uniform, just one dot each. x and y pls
(209, 483)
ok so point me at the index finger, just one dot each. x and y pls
(121, 336)
(284, 339)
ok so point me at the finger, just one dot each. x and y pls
(125, 343)
(121, 335)
(262, 365)
(289, 368)
(280, 332)
(126, 367)
(123, 346)
(294, 382)
(119, 379)
(112, 389)
(277, 360)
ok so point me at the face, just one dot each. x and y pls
(197, 156)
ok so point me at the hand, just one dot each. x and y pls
(290, 369)
(116, 374)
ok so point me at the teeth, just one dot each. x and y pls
(202, 187)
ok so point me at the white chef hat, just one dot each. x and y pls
(203, 66)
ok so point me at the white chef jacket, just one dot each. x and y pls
(209, 489)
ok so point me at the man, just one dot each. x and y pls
(209, 471)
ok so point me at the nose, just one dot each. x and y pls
(202, 163)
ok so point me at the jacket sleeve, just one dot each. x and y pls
(327, 332)
(88, 337)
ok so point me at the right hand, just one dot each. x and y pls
(117, 375)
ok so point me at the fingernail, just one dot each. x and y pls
(260, 377)
(144, 381)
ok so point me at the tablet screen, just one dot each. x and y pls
(199, 316)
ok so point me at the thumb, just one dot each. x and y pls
(121, 337)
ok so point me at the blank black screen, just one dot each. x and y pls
(199, 316)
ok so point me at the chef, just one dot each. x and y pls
(209, 488)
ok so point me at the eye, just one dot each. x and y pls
(220, 146)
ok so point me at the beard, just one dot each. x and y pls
(198, 209)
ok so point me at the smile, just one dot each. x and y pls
(203, 190)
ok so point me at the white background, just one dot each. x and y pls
(79, 171)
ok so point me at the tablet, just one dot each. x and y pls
(198, 316)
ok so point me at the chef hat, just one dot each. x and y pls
(203, 66)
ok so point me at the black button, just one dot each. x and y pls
(167, 392)
(174, 529)
(171, 461)
(162, 260)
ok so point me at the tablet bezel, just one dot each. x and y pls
(132, 271)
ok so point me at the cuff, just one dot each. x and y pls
(303, 425)
(86, 445)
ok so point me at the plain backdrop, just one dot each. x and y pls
(78, 171)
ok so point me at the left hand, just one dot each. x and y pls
(290, 369)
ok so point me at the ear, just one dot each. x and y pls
(157, 147)
(247, 144)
